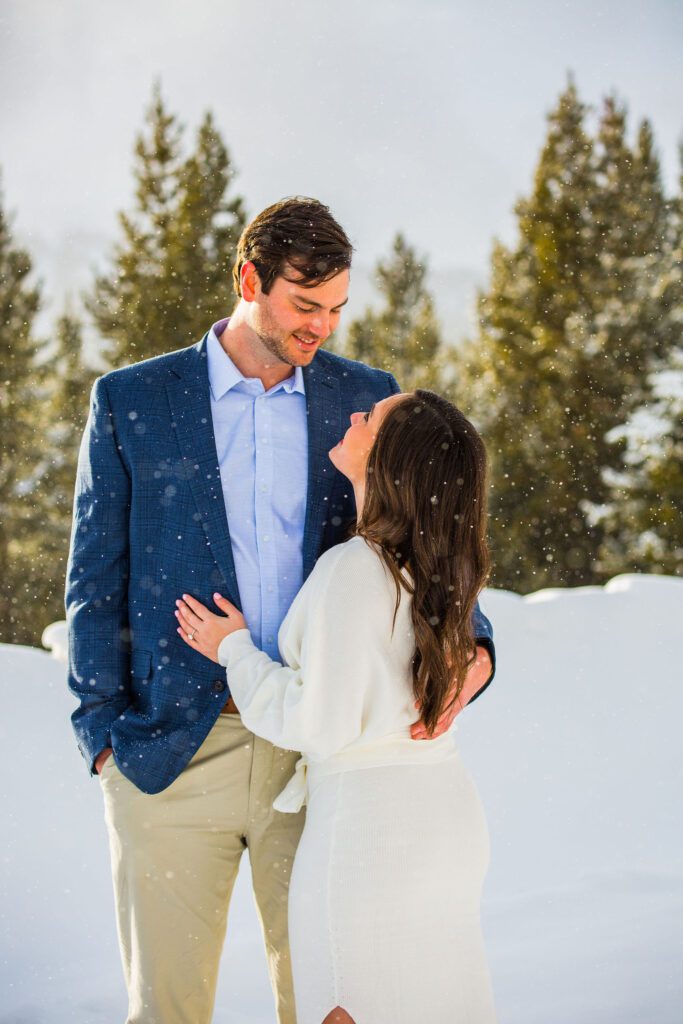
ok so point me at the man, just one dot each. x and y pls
(201, 470)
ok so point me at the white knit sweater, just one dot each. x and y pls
(346, 680)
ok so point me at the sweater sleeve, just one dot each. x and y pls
(316, 703)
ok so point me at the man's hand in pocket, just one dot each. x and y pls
(101, 758)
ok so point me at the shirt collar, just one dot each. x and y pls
(224, 375)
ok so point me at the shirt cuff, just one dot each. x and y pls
(231, 644)
(484, 641)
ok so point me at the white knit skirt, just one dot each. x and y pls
(385, 894)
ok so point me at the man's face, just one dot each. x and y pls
(292, 322)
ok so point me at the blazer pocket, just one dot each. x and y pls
(141, 664)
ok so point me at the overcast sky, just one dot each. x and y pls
(423, 115)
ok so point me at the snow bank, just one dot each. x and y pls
(575, 750)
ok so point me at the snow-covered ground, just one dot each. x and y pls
(576, 752)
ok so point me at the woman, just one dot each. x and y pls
(386, 884)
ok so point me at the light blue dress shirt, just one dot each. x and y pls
(262, 446)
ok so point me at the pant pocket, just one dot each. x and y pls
(104, 770)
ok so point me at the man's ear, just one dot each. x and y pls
(249, 281)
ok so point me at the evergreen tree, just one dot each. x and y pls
(204, 235)
(519, 381)
(171, 272)
(20, 450)
(644, 514)
(68, 383)
(404, 336)
(632, 222)
(565, 343)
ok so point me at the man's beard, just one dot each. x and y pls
(277, 348)
(271, 337)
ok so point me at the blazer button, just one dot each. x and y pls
(218, 686)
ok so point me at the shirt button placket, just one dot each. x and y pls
(264, 511)
(270, 602)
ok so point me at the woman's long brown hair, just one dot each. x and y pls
(425, 508)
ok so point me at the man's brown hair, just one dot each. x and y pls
(298, 233)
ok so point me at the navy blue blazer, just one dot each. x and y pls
(150, 524)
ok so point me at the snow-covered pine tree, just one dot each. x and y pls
(403, 336)
(20, 451)
(632, 223)
(643, 516)
(630, 330)
(170, 273)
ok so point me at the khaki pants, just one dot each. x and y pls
(175, 857)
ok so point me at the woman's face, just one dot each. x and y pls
(350, 456)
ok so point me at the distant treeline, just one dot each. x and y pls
(574, 376)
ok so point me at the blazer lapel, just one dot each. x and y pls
(188, 396)
(324, 431)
